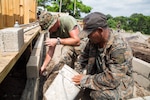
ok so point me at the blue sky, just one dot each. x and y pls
(119, 7)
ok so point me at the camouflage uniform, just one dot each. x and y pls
(67, 53)
(109, 69)
(67, 23)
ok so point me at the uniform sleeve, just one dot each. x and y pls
(88, 52)
(82, 61)
(115, 69)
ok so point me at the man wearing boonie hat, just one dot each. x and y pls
(106, 60)
(64, 31)
(47, 20)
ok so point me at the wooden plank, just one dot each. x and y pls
(26, 11)
(8, 59)
(1, 16)
(32, 10)
(10, 17)
(4, 12)
(16, 4)
(21, 12)
(34, 7)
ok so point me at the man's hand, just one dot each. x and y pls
(42, 69)
(77, 79)
(51, 42)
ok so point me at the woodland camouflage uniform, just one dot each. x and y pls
(67, 23)
(67, 54)
(109, 70)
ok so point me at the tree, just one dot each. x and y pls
(139, 22)
(73, 7)
(136, 22)
(112, 23)
(109, 16)
(43, 2)
(147, 28)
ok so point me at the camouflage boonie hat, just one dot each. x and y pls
(47, 20)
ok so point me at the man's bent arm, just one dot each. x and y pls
(48, 57)
(73, 39)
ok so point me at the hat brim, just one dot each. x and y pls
(88, 32)
(52, 24)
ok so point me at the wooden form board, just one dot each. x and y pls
(24, 11)
(8, 59)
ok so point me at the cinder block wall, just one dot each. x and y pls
(141, 73)
(31, 90)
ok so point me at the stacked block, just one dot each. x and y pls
(11, 39)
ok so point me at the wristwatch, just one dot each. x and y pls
(58, 41)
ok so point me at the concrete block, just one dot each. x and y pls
(1, 41)
(62, 88)
(141, 67)
(39, 43)
(36, 52)
(12, 38)
(144, 82)
(32, 68)
(141, 98)
(147, 98)
(31, 90)
(35, 60)
(138, 98)
(38, 48)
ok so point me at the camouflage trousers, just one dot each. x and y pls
(114, 94)
(105, 95)
(121, 92)
(109, 95)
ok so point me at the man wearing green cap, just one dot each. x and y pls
(107, 60)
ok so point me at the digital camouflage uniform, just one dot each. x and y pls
(109, 70)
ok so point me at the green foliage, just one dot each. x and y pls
(139, 22)
(112, 23)
(43, 2)
(136, 22)
(83, 8)
(53, 8)
(73, 7)
(109, 16)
